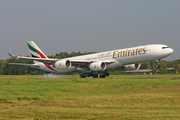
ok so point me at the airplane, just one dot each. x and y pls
(128, 58)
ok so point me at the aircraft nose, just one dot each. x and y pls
(171, 50)
(168, 52)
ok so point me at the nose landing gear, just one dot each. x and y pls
(157, 64)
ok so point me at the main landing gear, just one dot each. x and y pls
(84, 75)
(104, 75)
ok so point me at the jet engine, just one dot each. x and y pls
(62, 64)
(132, 66)
(97, 66)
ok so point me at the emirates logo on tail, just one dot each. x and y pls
(35, 51)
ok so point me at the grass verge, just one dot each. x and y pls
(68, 97)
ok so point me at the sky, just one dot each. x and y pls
(88, 25)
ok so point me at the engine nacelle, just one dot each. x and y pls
(97, 66)
(62, 64)
(132, 66)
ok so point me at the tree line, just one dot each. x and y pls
(7, 69)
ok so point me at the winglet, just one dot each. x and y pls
(10, 54)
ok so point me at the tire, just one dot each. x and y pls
(101, 76)
(95, 76)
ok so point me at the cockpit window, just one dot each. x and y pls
(164, 47)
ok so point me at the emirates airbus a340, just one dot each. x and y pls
(128, 58)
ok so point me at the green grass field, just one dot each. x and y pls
(69, 97)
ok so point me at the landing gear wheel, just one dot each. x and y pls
(85, 75)
(95, 76)
(157, 64)
(106, 74)
(82, 76)
(101, 76)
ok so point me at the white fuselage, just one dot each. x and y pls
(121, 57)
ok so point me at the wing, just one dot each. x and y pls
(33, 58)
(54, 60)
(32, 65)
(82, 63)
